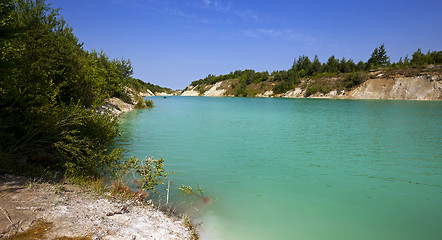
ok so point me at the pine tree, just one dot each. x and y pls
(378, 58)
(316, 65)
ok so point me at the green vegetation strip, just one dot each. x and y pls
(348, 73)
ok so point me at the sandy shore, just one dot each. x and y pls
(64, 211)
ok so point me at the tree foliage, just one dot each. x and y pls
(49, 88)
(378, 57)
(303, 67)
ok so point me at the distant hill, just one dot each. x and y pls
(415, 78)
(420, 83)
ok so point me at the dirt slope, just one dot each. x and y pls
(409, 88)
(407, 84)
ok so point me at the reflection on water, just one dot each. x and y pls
(300, 168)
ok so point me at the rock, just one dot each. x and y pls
(265, 94)
(191, 91)
(115, 106)
(148, 93)
(215, 90)
(408, 88)
(295, 93)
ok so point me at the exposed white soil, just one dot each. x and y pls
(410, 88)
(265, 94)
(148, 93)
(191, 91)
(215, 90)
(425, 87)
(115, 106)
(74, 212)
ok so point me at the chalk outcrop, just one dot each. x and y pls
(147, 93)
(165, 94)
(410, 88)
(265, 94)
(216, 90)
(191, 91)
(422, 86)
(115, 106)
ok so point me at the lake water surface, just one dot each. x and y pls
(300, 168)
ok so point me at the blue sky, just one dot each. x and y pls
(174, 42)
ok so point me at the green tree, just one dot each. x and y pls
(249, 76)
(49, 87)
(360, 66)
(316, 65)
(436, 56)
(418, 58)
(258, 77)
(400, 63)
(345, 66)
(406, 61)
(332, 65)
(124, 67)
(303, 66)
(265, 76)
(378, 57)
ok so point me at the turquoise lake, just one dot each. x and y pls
(299, 168)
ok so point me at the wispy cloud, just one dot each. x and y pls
(133, 3)
(196, 10)
(217, 5)
(285, 34)
(230, 9)
(192, 16)
(247, 14)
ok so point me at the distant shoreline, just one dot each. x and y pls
(424, 84)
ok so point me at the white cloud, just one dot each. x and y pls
(246, 14)
(216, 5)
(286, 34)
(192, 9)
(227, 8)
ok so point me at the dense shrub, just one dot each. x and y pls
(354, 79)
(282, 87)
(310, 91)
(49, 87)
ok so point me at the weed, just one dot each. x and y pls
(187, 190)
(123, 191)
(191, 227)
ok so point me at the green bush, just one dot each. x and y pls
(149, 103)
(354, 79)
(201, 90)
(144, 104)
(140, 104)
(148, 173)
(311, 91)
(324, 89)
(49, 87)
(282, 87)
